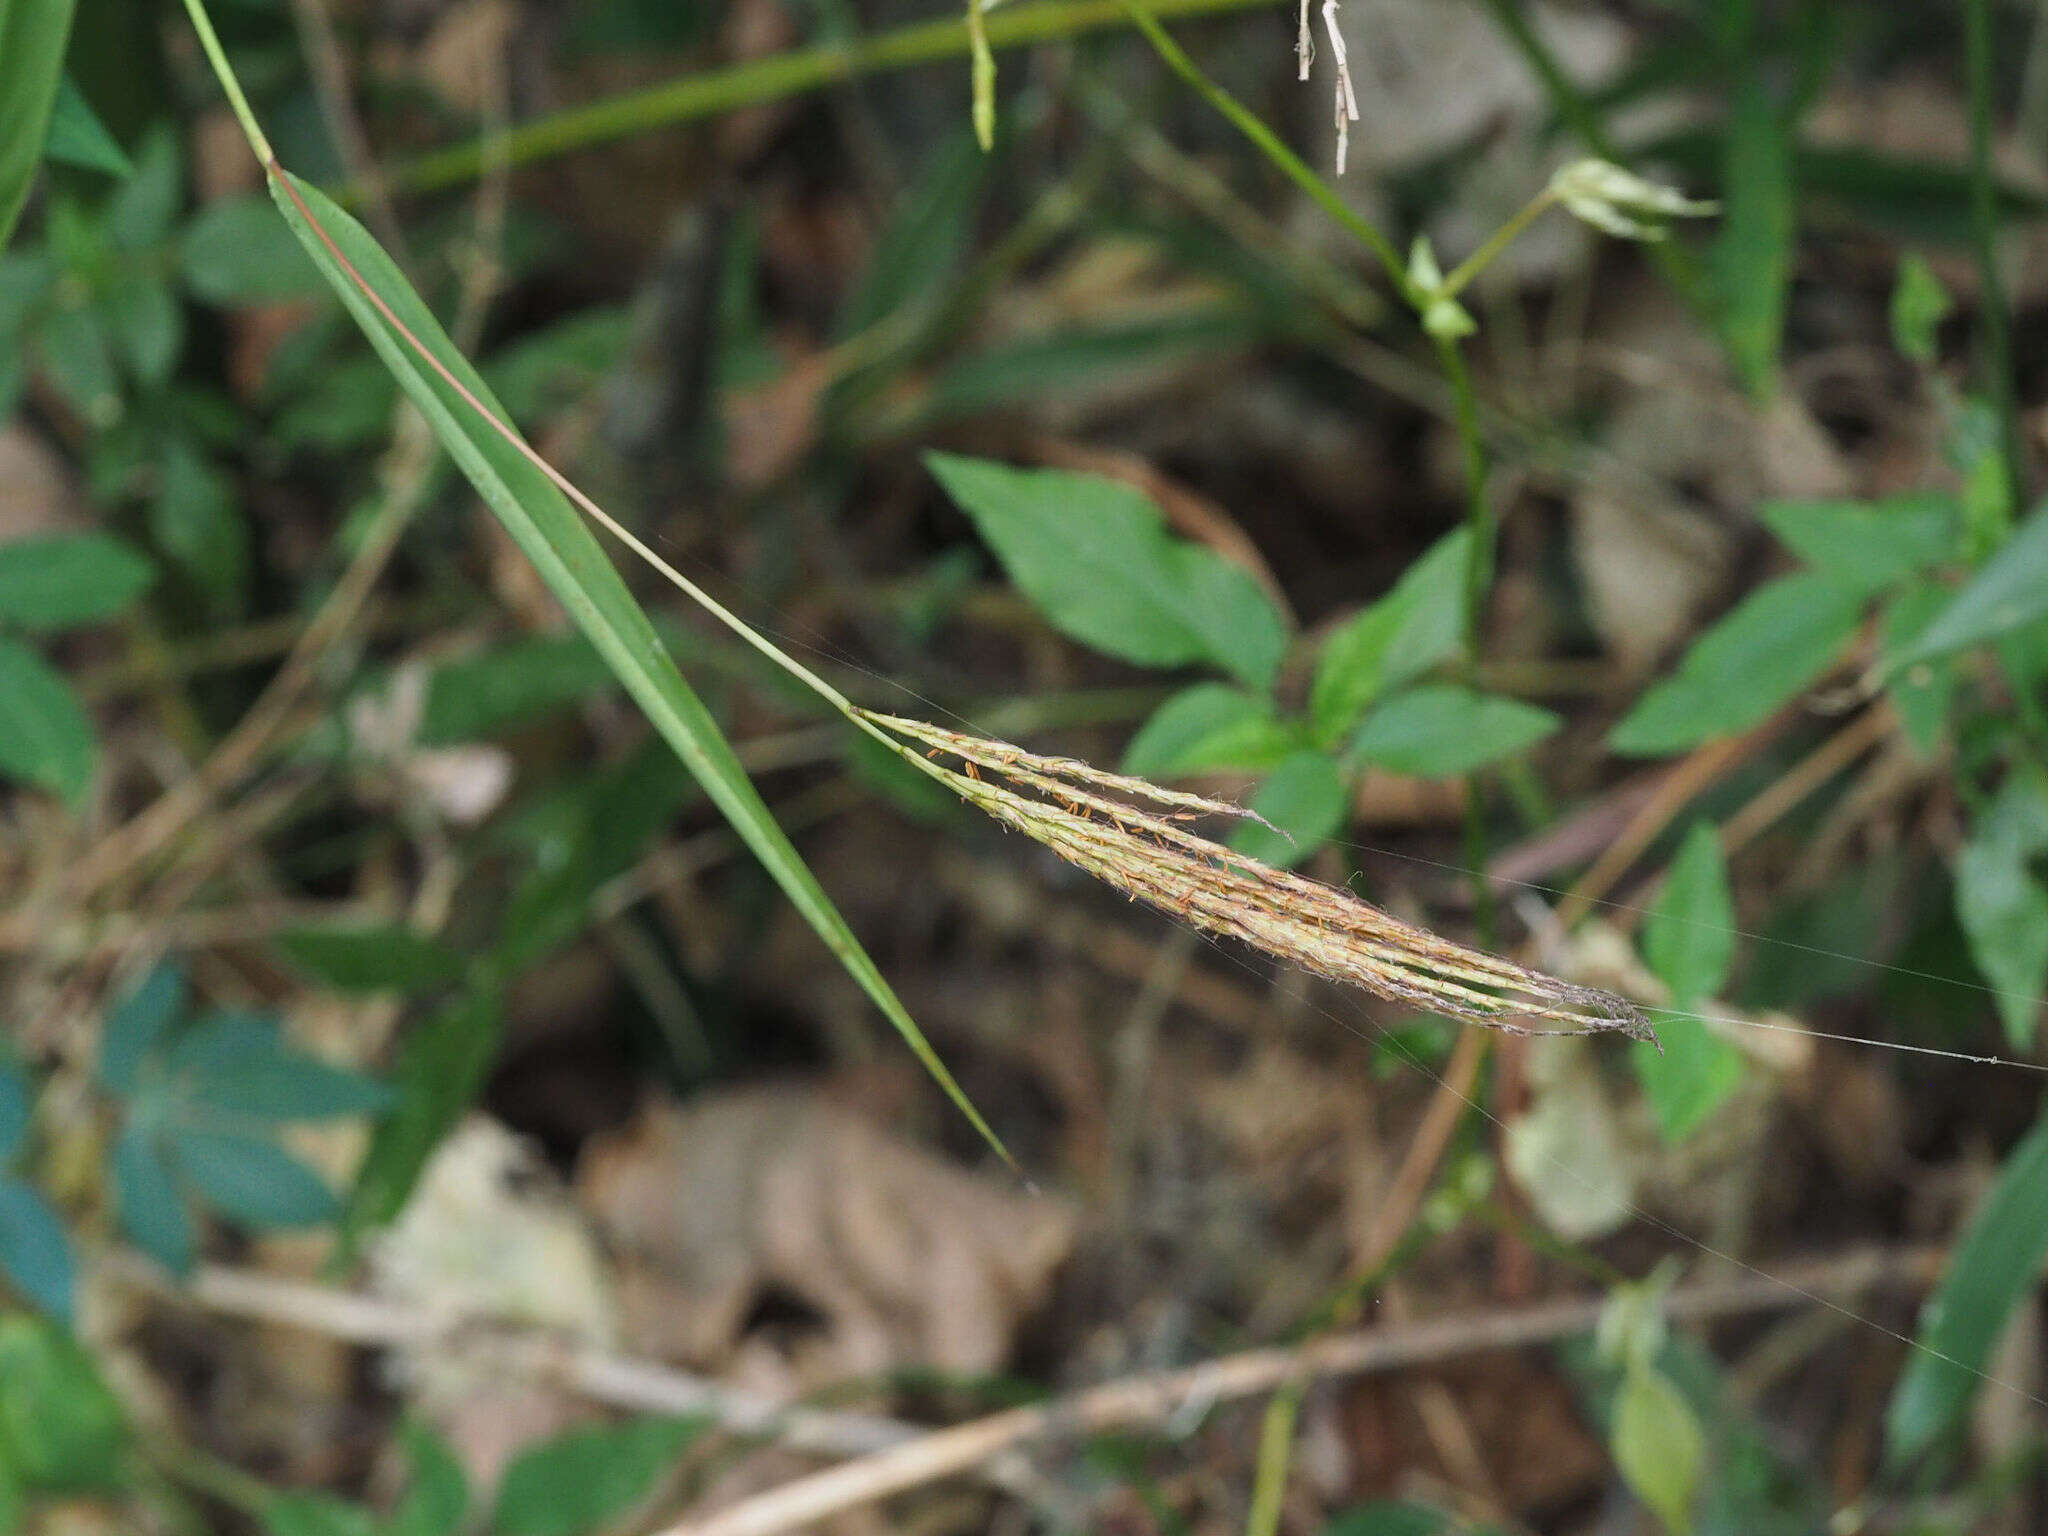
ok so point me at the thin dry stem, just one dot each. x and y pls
(1102, 822)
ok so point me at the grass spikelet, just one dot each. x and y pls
(1133, 834)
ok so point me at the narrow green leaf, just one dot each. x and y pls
(149, 1203)
(1093, 555)
(60, 581)
(138, 1023)
(1305, 798)
(1753, 253)
(1867, 545)
(553, 536)
(35, 1253)
(1389, 1517)
(219, 1038)
(45, 737)
(1773, 643)
(62, 1428)
(2009, 591)
(32, 38)
(284, 1085)
(1439, 731)
(926, 239)
(1205, 727)
(587, 1478)
(235, 253)
(379, 959)
(1996, 1262)
(2002, 905)
(1392, 641)
(251, 1181)
(17, 1107)
(441, 1068)
(78, 137)
(1919, 304)
(1659, 1448)
(1689, 935)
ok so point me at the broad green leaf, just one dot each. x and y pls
(553, 536)
(1659, 1448)
(35, 1254)
(252, 1181)
(78, 137)
(1438, 731)
(2009, 590)
(283, 1085)
(77, 359)
(1208, 726)
(1394, 640)
(1923, 691)
(551, 368)
(587, 1478)
(138, 1023)
(441, 1067)
(317, 1514)
(1977, 448)
(1867, 545)
(437, 1494)
(146, 327)
(32, 38)
(138, 217)
(1996, 1262)
(62, 1429)
(17, 1107)
(379, 959)
(1389, 1517)
(1772, 644)
(26, 279)
(149, 1203)
(60, 581)
(1093, 555)
(2002, 905)
(235, 252)
(1305, 798)
(478, 695)
(1919, 305)
(196, 519)
(45, 737)
(1752, 255)
(1689, 934)
(1689, 1078)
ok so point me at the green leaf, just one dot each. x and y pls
(1305, 798)
(1689, 935)
(35, 1255)
(62, 1429)
(437, 1496)
(138, 1023)
(1394, 640)
(150, 1205)
(553, 536)
(32, 38)
(378, 959)
(2009, 591)
(235, 252)
(1688, 1080)
(1205, 727)
(139, 215)
(78, 137)
(479, 695)
(1389, 1517)
(1752, 256)
(316, 1514)
(1093, 555)
(441, 1068)
(1919, 305)
(2002, 905)
(1438, 731)
(283, 1085)
(76, 357)
(17, 1108)
(917, 255)
(61, 581)
(1773, 643)
(45, 737)
(1867, 545)
(549, 369)
(587, 1478)
(1659, 1448)
(1996, 1263)
(146, 327)
(1923, 691)
(251, 1181)
(1074, 365)
(196, 519)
